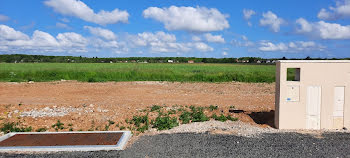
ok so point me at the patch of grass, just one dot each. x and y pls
(101, 72)
(58, 126)
(212, 107)
(165, 122)
(41, 129)
(155, 108)
(14, 127)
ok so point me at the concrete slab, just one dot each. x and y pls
(119, 146)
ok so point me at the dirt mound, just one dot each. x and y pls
(89, 106)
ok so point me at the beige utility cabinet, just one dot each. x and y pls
(312, 94)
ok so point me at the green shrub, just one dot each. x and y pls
(155, 107)
(172, 112)
(221, 118)
(212, 107)
(58, 125)
(165, 122)
(14, 127)
(198, 114)
(232, 118)
(41, 130)
(185, 117)
(122, 127)
(138, 120)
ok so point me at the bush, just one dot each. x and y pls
(221, 118)
(58, 125)
(165, 122)
(198, 114)
(232, 118)
(122, 127)
(138, 120)
(185, 117)
(14, 127)
(155, 107)
(41, 130)
(212, 107)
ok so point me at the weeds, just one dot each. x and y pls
(58, 126)
(155, 108)
(41, 130)
(212, 107)
(14, 127)
(185, 117)
(198, 114)
(165, 122)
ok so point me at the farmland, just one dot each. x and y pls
(103, 72)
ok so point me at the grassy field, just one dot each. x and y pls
(101, 72)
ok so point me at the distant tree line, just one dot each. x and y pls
(22, 58)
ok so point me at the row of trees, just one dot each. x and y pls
(21, 58)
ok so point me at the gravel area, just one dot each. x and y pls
(225, 139)
(217, 145)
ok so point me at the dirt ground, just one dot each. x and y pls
(90, 105)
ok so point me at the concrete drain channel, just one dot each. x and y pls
(65, 141)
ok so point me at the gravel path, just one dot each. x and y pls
(217, 145)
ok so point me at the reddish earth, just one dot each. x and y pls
(62, 139)
(91, 105)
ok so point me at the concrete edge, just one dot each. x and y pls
(119, 146)
(313, 61)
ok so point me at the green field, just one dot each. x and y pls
(101, 72)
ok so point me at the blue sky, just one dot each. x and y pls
(200, 28)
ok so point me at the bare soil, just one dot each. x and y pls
(89, 106)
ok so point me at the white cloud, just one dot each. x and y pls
(323, 30)
(340, 11)
(65, 20)
(243, 42)
(296, 46)
(62, 25)
(16, 41)
(4, 18)
(214, 38)
(224, 53)
(247, 14)
(79, 9)
(8, 33)
(271, 20)
(165, 42)
(203, 47)
(196, 38)
(199, 19)
(100, 32)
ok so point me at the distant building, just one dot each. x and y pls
(191, 61)
(258, 61)
(170, 61)
(268, 61)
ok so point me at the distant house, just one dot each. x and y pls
(191, 61)
(170, 61)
